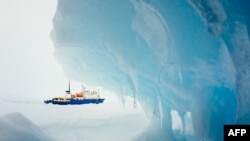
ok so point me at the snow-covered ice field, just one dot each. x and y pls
(110, 121)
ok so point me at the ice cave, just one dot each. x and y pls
(179, 59)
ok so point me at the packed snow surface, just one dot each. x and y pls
(16, 127)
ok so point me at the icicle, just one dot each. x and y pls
(135, 102)
(182, 116)
(123, 98)
(135, 91)
(180, 77)
(160, 111)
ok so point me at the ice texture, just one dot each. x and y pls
(189, 56)
(15, 126)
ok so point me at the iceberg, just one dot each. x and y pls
(187, 56)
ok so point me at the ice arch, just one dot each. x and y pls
(188, 56)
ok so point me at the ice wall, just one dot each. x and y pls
(187, 55)
(229, 22)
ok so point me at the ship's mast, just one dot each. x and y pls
(69, 85)
(68, 91)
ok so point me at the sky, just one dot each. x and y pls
(28, 68)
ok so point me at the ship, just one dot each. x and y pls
(83, 97)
